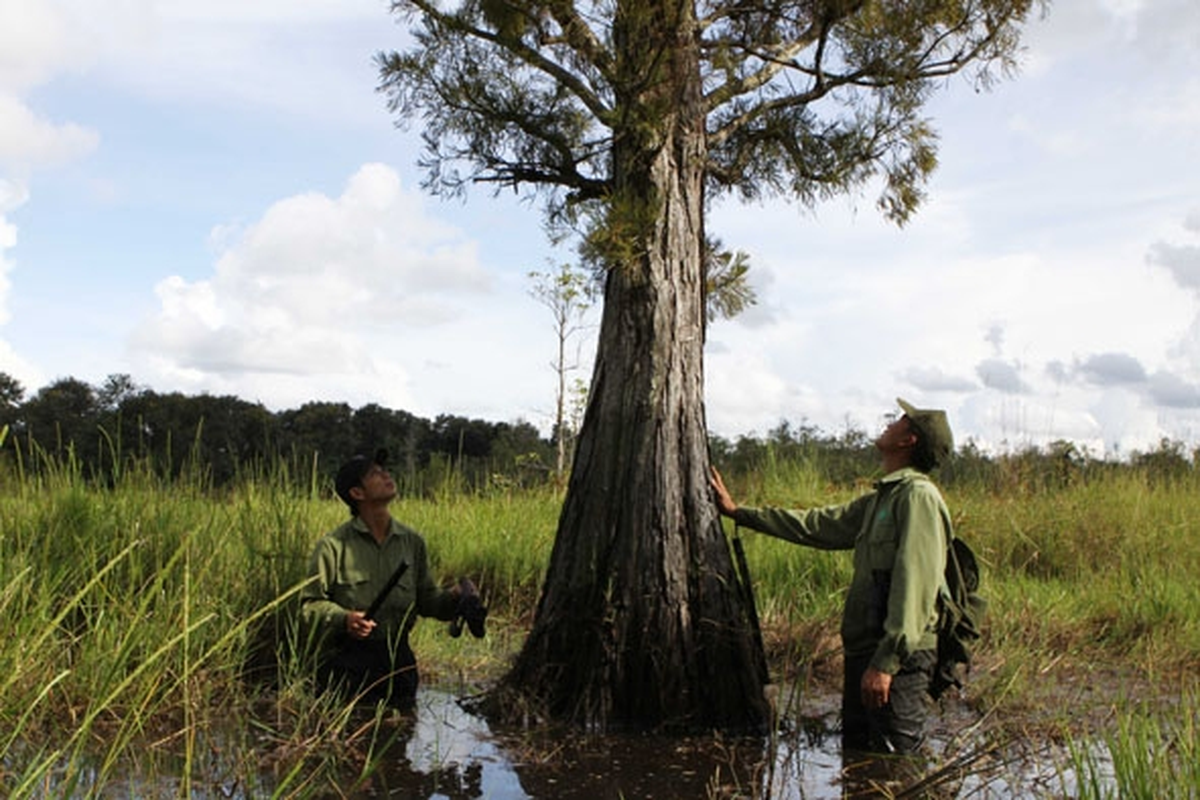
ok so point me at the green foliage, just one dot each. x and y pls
(1149, 754)
(146, 610)
(104, 432)
(726, 288)
(127, 609)
(805, 101)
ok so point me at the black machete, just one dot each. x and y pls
(383, 593)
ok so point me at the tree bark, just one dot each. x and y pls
(640, 623)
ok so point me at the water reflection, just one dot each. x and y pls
(450, 754)
(447, 753)
(444, 752)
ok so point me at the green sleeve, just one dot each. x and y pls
(828, 528)
(321, 614)
(432, 601)
(924, 529)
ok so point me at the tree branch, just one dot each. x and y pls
(525, 53)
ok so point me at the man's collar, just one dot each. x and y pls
(896, 476)
(361, 526)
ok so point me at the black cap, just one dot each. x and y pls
(351, 474)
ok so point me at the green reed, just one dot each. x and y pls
(1151, 753)
(143, 615)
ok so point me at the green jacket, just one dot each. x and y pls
(899, 534)
(351, 568)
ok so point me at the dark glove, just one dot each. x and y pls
(471, 610)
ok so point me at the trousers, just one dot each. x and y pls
(898, 727)
(372, 670)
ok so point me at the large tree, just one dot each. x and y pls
(627, 117)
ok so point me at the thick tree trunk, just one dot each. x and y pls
(640, 622)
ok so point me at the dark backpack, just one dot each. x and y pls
(960, 615)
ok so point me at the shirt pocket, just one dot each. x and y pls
(881, 541)
(352, 588)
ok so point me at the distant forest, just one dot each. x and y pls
(104, 431)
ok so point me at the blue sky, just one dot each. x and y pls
(211, 197)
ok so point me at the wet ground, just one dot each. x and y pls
(444, 752)
(447, 753)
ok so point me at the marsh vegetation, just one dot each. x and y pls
(150, 643)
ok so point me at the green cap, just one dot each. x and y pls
(934, 428)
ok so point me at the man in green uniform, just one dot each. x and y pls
(899, 534)
(352, 566)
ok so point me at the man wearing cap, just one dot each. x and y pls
(352, 566)
(899, 534)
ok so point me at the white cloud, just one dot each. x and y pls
(29, 141)
(1182, 261)
(319, 286)
(1174, 392)
(256, 57)
(934, 379)
(1126, 421)
(1112, 369)
(39, 39)
(1004, 376)
(745, 393)
(266, 12)
(12, 195)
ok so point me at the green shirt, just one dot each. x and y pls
(899, 534)
(351, 568)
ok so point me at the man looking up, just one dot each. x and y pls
(352, 565)
(899, 534)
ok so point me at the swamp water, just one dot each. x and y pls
(444, 752)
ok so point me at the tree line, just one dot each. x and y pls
(108, 428)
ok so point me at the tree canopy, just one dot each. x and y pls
(801, 100)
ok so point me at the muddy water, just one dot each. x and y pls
(447, 753)
(444, 752)
(453, 754)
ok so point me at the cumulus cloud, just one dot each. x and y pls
(39, 41)
(1112, 369)
(1182, 261)
(303, 290)
(994, 336)
(1058, 371)
(1173, 391)
(1127, 421)
(933, 379)
(1004, 376)
(1167, 26)
(12, 196)
(29, 141)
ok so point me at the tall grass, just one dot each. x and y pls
(130, 616)
(144, 616)
(1143, 755)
